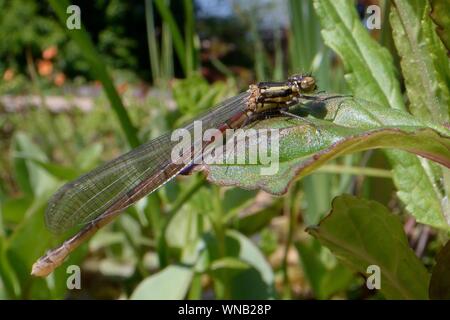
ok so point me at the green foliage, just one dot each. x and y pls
(363, 233)
(81, 37)
(325, 274)
(170, 283)
(371, 75)
(357, 125)
(195, 240)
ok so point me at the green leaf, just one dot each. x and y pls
(412, 32)
(304, 147)
(417, 190)
(363, 233)
(185, 226)
(229, 263)
(371, 75)
(325, 274)
(171, 283)
(440, 277)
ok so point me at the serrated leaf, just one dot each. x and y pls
(412, 33)
(303, 147)
(362, 233)
(440, 277)
(371, 75)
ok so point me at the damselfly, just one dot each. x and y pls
(99, 196)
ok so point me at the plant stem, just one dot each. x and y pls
(370, 172)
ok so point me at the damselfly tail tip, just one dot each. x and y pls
(40, 269)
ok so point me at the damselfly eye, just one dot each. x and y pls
(308, 84)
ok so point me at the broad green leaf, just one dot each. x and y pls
(182, 228)
(426, 69)
(371, 75)
(325, 274)
(362, 233)
(303, 147)
(171, 283)
(412, 32)
(440, 277)
(440, 16)
(318, 195)
(417, 189)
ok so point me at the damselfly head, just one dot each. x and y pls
(305, 83)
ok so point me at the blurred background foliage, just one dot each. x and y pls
(168, 61)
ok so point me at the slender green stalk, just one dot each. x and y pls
(167, 52)
(260, 69)
(278, 72)
(370, 172)
(168, 18)
(219, 65)
(189, 35)
(152, 41)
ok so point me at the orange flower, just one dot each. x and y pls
(122, 88)
(60, 78)
(50, 53)
(45, 67)
(8, 75)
